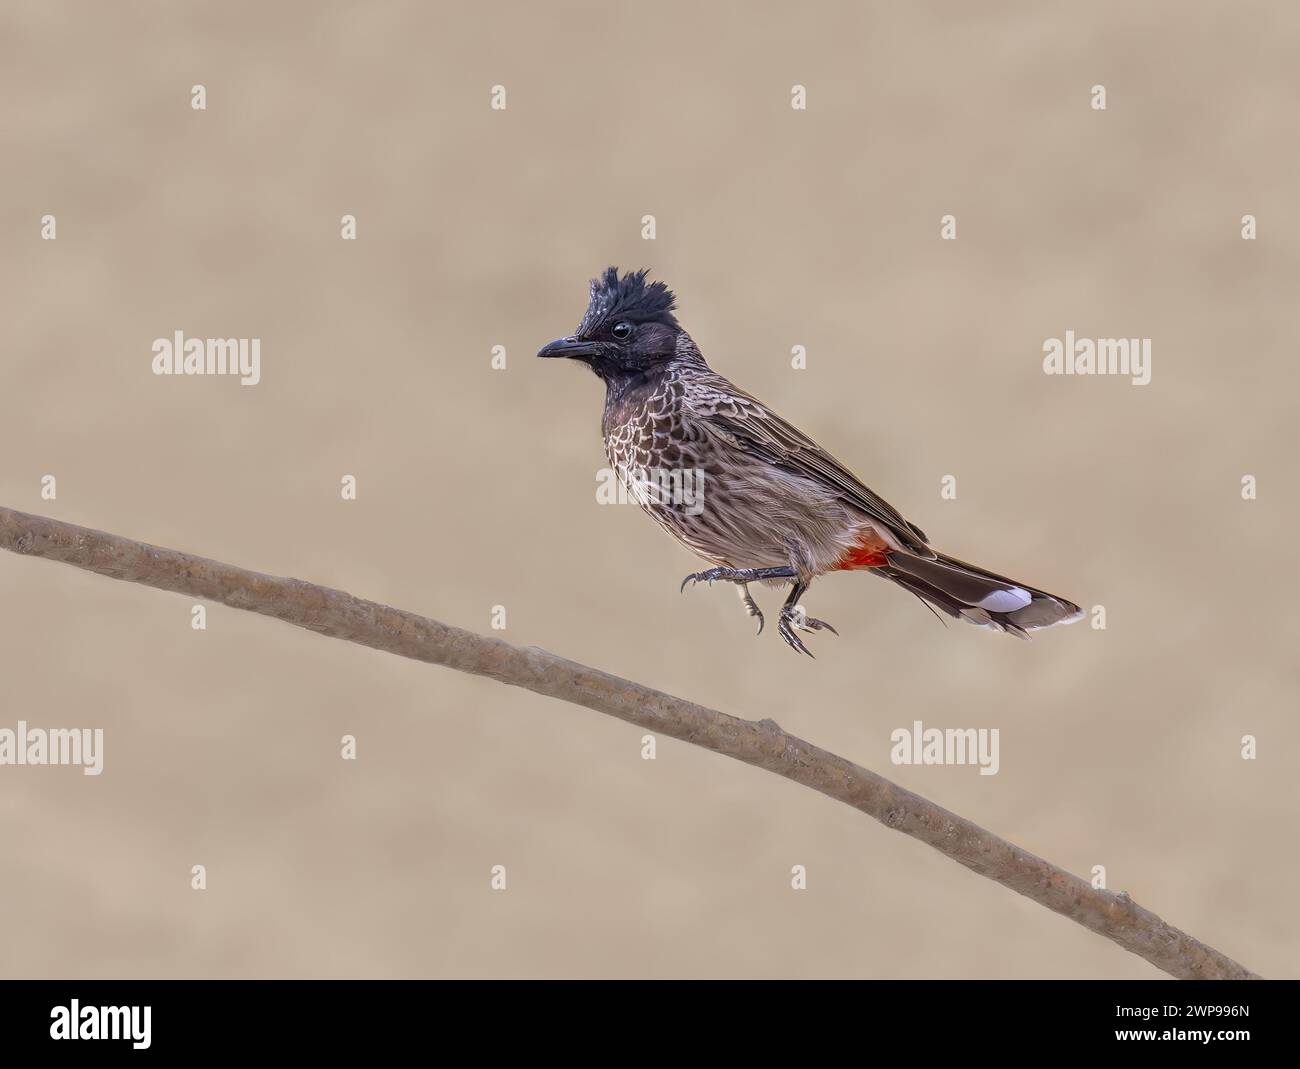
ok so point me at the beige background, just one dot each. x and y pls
(478, 228)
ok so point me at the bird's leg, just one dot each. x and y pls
(738, 575)
(751, 606)
(792, 616)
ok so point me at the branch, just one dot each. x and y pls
(763, 743)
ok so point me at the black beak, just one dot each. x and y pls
(570, 347)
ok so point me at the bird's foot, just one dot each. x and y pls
(737, 575)
(751, 606)
(792, 617)
(729, 574)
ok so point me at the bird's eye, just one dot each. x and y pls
(622, 331)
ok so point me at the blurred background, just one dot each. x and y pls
(477, 487)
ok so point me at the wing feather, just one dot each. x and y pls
(752, 426)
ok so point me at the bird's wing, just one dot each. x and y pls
(754, 427)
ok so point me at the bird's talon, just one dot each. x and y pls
(793, 619)
(751, 606)
(709, 576)
(811, 624)
(791, 639)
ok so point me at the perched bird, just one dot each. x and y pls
(757, 498)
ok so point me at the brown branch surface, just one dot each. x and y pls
(762, 743)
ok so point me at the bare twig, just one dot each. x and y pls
(762, 743)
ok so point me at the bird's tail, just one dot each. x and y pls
(982, 598)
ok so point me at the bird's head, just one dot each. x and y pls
(629, 327)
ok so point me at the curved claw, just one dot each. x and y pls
(751, 607)
(791, 639)
(696, 577)
(693, 578)
(809, 624)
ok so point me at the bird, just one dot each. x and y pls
(749, 492)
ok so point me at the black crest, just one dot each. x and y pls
(630, 298)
